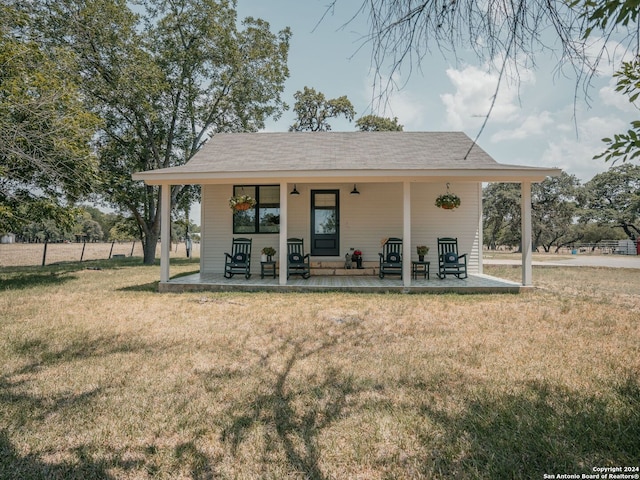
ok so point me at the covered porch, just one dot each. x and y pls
(212, 282)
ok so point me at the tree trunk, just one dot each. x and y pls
(149, 245)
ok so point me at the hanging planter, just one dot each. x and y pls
(448, 200)
(241, 202)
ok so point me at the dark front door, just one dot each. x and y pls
(325, 222)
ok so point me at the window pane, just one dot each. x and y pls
(244, 221)
(265, 216)
(269, 195)
(325, 221)
(245, 190)
(270, 220)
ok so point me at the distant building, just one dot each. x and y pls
(8, 238)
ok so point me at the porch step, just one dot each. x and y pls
(353, 272)
(337, 269)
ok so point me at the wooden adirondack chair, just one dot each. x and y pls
(239, 260)
(449, 261)
(298, 263)
(391, 258)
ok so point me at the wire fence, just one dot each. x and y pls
(40, 254)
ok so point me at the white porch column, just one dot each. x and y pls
(480, 232)
(527, 277)
(165, 231)
(406, 234)
(284, 222)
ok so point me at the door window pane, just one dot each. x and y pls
(325, 221)
(325, 200)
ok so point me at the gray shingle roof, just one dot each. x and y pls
(321, 152)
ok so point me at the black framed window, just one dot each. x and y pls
(264, 217)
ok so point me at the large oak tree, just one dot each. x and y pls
(46, 163)
(612, 198)
(164, 77)
(313, 110)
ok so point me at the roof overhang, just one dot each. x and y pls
(174, 176)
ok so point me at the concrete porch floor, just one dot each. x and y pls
(342, 283)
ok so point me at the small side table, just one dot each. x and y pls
(420, 268)
(268, 268)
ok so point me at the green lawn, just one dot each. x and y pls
(102, 377)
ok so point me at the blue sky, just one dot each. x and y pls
(537, 123)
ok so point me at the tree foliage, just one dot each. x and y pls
(164, 78)
(553, 211)
(501, 214)
(46, 162)
(603, 14)
(374, 123)
(625, 146)
(313, 110)
(613, 198)
(565, 212)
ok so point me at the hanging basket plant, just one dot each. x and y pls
(239, 203)
(448, 200)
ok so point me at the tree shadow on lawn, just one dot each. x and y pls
(20, 278)
(25, 407)
(293, 417)
(153, 286)
(34, 280)
(544, 428)
(29, 467)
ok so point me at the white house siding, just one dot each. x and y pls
(365, 220)
(217, 231)
(429, 222)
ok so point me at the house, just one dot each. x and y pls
(398, 176)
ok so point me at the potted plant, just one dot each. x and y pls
(357, 258)
(241, 202)
(268, 253)
(422, 251)
(448, 200)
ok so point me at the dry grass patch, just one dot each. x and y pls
(104, 378)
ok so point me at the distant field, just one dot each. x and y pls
(30, 254)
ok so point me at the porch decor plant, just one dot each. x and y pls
(422, 249)
(448, 200)
(241, 202)
(357, 257)
(269, 251)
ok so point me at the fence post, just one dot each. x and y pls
(84, 244)
(111, 251)
(44, 253)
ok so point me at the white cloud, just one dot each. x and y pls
(403, 104)
(611, 98)
(474, 91)
(574, 154)
(408, 109)
(530, 126)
